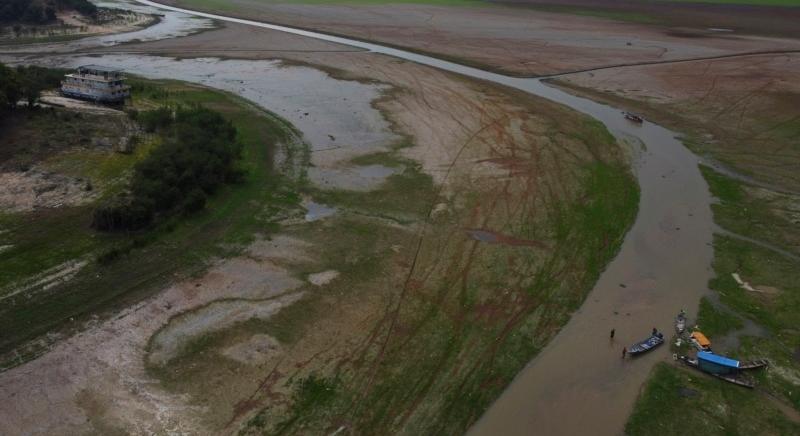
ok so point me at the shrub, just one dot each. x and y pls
(198, 155)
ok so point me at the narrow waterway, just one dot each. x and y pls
(579, 384)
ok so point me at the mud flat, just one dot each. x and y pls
(513, 40)
(651, 276)
(499, 159)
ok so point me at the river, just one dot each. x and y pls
(579, 384)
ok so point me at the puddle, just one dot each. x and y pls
(316, 211)
(336, 117)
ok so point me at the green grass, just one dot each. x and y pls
(597, 227)
(403, 197)
(754, 212)
(152, 259)
(714, 321)
(677, 401)
(717, 407)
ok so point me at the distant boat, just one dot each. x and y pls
(633, 117)
(680, 322)
(646, 345)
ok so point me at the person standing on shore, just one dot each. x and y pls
(612, 333)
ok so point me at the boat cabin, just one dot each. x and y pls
(700, 341)
(715, 364)
(96, 83)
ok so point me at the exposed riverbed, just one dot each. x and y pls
(663, 265)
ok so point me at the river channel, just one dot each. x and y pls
(578, 384)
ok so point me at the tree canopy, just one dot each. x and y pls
(41, 11)
(198, 155)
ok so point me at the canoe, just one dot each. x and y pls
(633, 117)
(646, 345)
(680, 322)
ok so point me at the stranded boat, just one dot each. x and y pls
(680, 322)
(646, 345)
(700, 341)
(633, 117)
(724, 368)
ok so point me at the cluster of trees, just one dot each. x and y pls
(41, 11)
(25, 83)
(199, 154)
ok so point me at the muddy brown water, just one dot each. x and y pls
(579, 384)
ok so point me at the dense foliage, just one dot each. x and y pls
(198, 155)
(25, 83)
(41, 11)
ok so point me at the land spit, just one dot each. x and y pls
(665, 170)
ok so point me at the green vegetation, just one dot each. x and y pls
(715, 322)
(676, 401)
(773, 273)
(24, 83)
(439, 331)
(121, 268)
(41, 11)
(198, 155)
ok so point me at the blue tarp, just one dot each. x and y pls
(719, 360)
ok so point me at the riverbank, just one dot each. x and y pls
(744, 125)
(72, 25)
(544, 42)
(497, 168)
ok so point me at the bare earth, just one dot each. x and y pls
(469, 136)
(743, 112)
(512, 40)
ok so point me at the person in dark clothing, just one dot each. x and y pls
(612, 333)
(655, 331)
(624, 352)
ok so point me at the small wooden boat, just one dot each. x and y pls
(736, 377)
(680, 322)
(633, 117)
(646, 345)
(753, 364)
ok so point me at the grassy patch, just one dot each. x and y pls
(755, 212)
(403, 197)
(146, 260)
(677, 401)
(714, 321)
(714, 406)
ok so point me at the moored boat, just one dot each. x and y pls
(646, 345)
(633, 117)
(700, 341)
(680, 322)
(720, 367)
